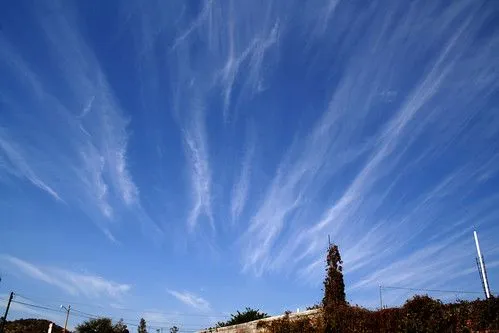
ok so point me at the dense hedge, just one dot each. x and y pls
(421, 314)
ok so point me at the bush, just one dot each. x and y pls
(421, 314)
(243, 317)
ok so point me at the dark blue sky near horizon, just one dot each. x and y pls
(182, 160)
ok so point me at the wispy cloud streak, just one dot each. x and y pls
(236, 57)
(191, 300)
(89, 164)
(71, 282)
(20, 166)
(196, 146)
(365, 216)
(242, 186)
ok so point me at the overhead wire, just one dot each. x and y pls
(215, 315)
(154, 324)
(82, 314)
(36, 306)
(151, 324)
(432, 290)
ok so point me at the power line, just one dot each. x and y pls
(128, 322)
(85, 313)
(432, 290)
(155, 324)
(36, 306)
(77, 313)
(139, 311)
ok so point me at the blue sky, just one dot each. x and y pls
(177, 158)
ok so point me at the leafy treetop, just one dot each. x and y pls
(334, 286)
(243, 317)
(142, 326)
(102, 325)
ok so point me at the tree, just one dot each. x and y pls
(334, 286)
(334, 289)
(101, 325)
(142, 326)
(314, 307)
(120, 327)
(243, 317)
(174, 329)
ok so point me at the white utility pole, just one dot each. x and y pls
(482, 266)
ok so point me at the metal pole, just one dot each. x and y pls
(480, 274)
(380, 298)
(67, 317)
(482, 266)
(486, 276)
(4, 320)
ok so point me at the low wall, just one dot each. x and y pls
(251, 327)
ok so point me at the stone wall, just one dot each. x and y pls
(251, 327)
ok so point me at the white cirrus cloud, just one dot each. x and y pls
(74, 283)
(372, 213)
(200, 172)
(191, 300)
(241, 188)
(17, 163)
(85, 162)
